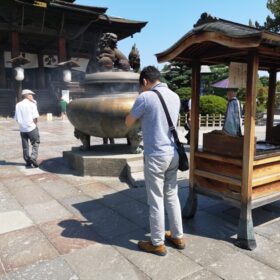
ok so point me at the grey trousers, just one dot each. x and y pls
(162, 190)
(34, 138)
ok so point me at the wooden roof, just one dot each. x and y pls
(216, 41)
(39, 25)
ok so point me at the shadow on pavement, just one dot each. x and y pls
(10, 163)
(57, 165)
(122, 218)
(118, 219)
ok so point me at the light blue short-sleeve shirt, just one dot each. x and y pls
(157, 137)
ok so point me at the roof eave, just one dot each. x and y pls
(192, 38)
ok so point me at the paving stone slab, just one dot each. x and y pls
(205, 250)
(203, 275)
(69, 235)
(2, 268)
(114, 199)
(13, 220)
(113, 182)
(44, 177)
(24, 247)
(207, 225)
(31, 171)
(7, 201)
(266, 252)
(56, 269)
(108, 223)
(172, 266)
(81, 204)
(136, 193)
(13, 183)
(76, 180)
(271, 231)
(47, 211)
(59, 189)
(6, 171)
(29, 195)
(103, 262)
(96, 189)
(240, 266)
(134, 211)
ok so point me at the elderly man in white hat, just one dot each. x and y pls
(26, 115)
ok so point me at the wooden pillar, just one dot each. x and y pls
(15, 51)
(41, 72)
(2, 70)
(246, 237)
(191, 205)
(61, 49)
(270, 103)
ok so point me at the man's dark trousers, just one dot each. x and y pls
(34, 138)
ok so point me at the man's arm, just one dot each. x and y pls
(130, 120)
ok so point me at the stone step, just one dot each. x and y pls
(136, 179)
(135, 166)
(135, 173)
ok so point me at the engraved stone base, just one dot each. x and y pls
(102, 160)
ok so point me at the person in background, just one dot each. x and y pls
(26, 116)
(63, 107)
(160, 161)
(232, 123)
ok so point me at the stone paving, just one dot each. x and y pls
(57, 225)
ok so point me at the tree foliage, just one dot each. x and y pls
(212, 105)
(271, 23)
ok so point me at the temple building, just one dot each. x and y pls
(39, 35)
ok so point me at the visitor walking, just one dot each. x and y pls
(63, 106)
(160, 160)
(26, 115)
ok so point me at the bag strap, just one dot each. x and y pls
(170, 123)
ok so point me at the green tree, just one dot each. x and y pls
(178, 77)
(212, 105)
(271, 23)
(184, 92)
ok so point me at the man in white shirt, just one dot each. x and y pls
(26, 115)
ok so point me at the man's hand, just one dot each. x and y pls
(130, 120)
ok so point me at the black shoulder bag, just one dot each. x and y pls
(183, 159)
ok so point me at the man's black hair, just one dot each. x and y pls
(149, 73)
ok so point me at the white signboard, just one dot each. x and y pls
(65, 95)
(32, 57)
(50, 61)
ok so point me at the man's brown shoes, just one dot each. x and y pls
(178, 243)
(148, 247)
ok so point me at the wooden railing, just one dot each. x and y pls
(207, 121)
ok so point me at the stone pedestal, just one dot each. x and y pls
(103, 160)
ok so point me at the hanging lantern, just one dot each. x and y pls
(67, 75)
(19, 74)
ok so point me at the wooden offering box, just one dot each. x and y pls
(220, 143)
(232, 168)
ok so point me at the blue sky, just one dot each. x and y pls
(169, 20)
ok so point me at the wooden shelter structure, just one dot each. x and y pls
(232, 168)
(48, 32)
